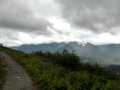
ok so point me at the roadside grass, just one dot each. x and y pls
(2, 74)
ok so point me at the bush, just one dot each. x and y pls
(68, 60)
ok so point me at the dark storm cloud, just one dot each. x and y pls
(18, 15)
(97, 15)
(24, 24)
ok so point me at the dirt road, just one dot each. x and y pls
(17, 78)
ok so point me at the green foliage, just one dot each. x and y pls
(49, 76)
(67, 60)
(2, 74)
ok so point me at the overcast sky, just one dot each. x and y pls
(44, 21)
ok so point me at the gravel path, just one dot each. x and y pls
(17, 78)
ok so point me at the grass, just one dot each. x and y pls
(2, 74)
(48, 76)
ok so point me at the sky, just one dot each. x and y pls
(46, 21)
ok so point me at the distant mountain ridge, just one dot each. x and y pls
(52, 47)
(102, 54)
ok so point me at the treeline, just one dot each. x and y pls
(71, 61)
(65, 59)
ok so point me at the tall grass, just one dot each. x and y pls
(2, 74)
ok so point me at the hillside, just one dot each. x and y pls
(48, 75)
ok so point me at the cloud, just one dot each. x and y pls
(8, 37)
(19, 15)
(96, 15)
(42, 21)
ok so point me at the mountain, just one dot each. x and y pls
(52, 47)
(102, 54)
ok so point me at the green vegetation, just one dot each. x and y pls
(62, 74)
(67, 60)
(2, 74)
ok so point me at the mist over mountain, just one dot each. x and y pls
(102, 54)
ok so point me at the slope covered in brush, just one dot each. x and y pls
(55, 72)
